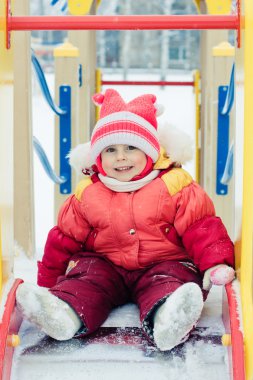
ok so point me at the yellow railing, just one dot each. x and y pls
(98, 88)
(197, 124)
(247, 214)
(215, 6)
(1, 265)
(81, 7)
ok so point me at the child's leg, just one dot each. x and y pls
(92, 287)
(52, 315)
(158, 284)
(85, 296)
(177, 316)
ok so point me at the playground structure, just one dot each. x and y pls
(217, 60)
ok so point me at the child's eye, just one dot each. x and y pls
(131, 147)
(110, 149)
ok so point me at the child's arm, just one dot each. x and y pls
(203, 234)
(63, 241)
(58, 250)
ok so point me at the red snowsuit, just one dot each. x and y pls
(110, 248)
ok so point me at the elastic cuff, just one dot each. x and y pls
(148, 322)
(82, 331)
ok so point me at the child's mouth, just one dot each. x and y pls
(123, 168)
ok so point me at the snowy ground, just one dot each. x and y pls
(67, 360)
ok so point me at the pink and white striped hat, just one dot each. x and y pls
(132, 123)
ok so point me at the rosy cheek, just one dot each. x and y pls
(142, 161)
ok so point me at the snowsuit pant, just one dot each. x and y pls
(93, 286)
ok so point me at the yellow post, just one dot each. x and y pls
(6, 151)
(98, 88)
(24, 233)
(80, 7)
(247, 214)
(218, 7)
(1, 267)
(98, 80)
(85, 40)
(197, 124)
(77, 7)
(66, 72)
(197, 3)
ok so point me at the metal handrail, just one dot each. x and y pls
(64, 6)
(45, 163)
(58, 111)
(230, 94)
(229, 166)
(44, 87)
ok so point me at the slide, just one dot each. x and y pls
(120, 349)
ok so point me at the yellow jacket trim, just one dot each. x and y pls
(176, 179)
(163, 161)
(82, 185)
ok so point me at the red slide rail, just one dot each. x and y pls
(11, 322)
(237, 348)
(9, 326)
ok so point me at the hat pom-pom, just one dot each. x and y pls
(177, 144)
(159, 109)
(98, 99)
(79, 157)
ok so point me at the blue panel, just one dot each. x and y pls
(65, 138)
(222, 141)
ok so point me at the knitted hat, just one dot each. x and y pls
(132, 123)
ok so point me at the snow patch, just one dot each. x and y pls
(236, 286)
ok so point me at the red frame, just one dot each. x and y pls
(144, 83)
(121, 22)
(11, 320)
(10, 324)
(129, 22)
(232, 323)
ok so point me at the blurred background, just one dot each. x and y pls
(120, 50)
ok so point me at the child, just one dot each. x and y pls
(138, 229)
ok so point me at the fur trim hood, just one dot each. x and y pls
(177, 144)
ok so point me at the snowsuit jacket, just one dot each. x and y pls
(170, 219)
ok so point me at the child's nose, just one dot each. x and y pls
(121, 155)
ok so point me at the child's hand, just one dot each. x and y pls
(218, 275)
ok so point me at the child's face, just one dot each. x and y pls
(123, 162)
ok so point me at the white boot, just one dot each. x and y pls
(52, 315)
(177, 316)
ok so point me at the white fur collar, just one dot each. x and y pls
(177, 144)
